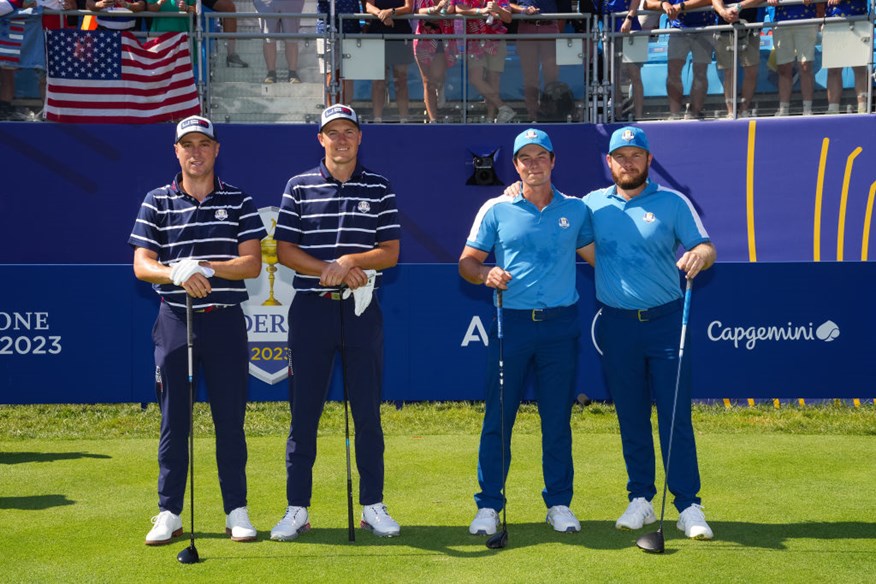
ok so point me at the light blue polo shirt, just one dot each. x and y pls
(636, 244)
(536, 247)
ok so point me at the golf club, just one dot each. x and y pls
(653, 543)
(500, 540)
(351, 531)
(190, 554)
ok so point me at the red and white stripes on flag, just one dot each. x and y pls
(105, 76)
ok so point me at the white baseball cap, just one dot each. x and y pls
(195, 124)
(338, 112)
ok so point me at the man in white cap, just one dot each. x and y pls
(338, 229)
(200, 237)
(534, 236)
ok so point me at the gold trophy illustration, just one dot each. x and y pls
(269, 256)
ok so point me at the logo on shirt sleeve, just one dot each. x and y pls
(648, 217)
(563, 223)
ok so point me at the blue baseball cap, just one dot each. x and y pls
(628, 136)
(532, 136)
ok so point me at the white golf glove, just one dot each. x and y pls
(182, 270)
(362, 295)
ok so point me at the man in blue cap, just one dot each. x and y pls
(637, 226)
(534, 236)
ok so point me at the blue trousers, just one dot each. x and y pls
(219, 353)
(640, 360)
(314, 339)
(550, 347)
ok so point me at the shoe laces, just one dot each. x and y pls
(162, 517)
(486, 513)
(562, 511)
(694, 514)
(239, 515)
(380, 512)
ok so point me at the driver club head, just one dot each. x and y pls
(499, 540)
(189, 555)
(652, 543)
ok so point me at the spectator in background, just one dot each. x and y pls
(398, 53)
(795, 43)
(160, 25)
(698, 44)
(747, 47)
(433, 56)
(835, 74)
(229, 25)
(107, 7)
(486, 59)
(629, 22)
(351, 25)
(536, 54)
(286, 24)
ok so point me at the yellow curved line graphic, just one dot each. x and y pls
(844, 199)
(868, 215)
(819, 195)
(749, 192)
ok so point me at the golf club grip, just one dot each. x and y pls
(685, 314)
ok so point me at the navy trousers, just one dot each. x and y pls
(640, 360)
(550, 347)
(220, 354)
(315, 325)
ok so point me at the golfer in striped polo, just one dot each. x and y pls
(199, 236)
(337, 228)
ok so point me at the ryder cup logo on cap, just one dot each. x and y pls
(628, 136)
(338, 112)
(532, 136)
(195, 124)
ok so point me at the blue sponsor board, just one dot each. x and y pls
(756, 330)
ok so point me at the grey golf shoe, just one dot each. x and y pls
(562, 519)
(693, 523)
(486, 522)
(294, 523)
(377, 520)
(639, 513)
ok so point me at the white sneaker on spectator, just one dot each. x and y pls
(239, 527)
(486, 522)
(639, 513)
(166, 526)
(505, 114)
(693, 523)
(562, 519)
(293, 524)
(376, 519)
(781, 112)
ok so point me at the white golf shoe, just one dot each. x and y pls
(166, 526)
(376, 519)
(238, 525)
(293, 524)
(485, 522)
(638, 514)
(562, 519)
(693, 523)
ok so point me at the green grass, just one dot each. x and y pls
(789, 493)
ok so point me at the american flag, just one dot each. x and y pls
(105, 76)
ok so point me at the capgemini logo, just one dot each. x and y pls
(828, 332)
(749, 336)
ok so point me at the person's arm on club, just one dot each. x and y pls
(473, 270)
(248, 264)
(349, 269)
(697, 259)
(149, 269)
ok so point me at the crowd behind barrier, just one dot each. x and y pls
(500, 62)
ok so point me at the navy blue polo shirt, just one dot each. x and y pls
(537, 247)
(176, 226)
(636, 244)
(327, 218)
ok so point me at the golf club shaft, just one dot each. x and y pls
(189, 344)
(351, 531)
(501, 336)
(684, 316)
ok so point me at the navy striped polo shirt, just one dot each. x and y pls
(327, 218)
(176, 227)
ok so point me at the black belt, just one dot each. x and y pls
(646, 314)
(542, 314)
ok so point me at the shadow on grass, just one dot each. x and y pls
(22, 457)
(456, 542)
(775, 535)
(35, 502)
